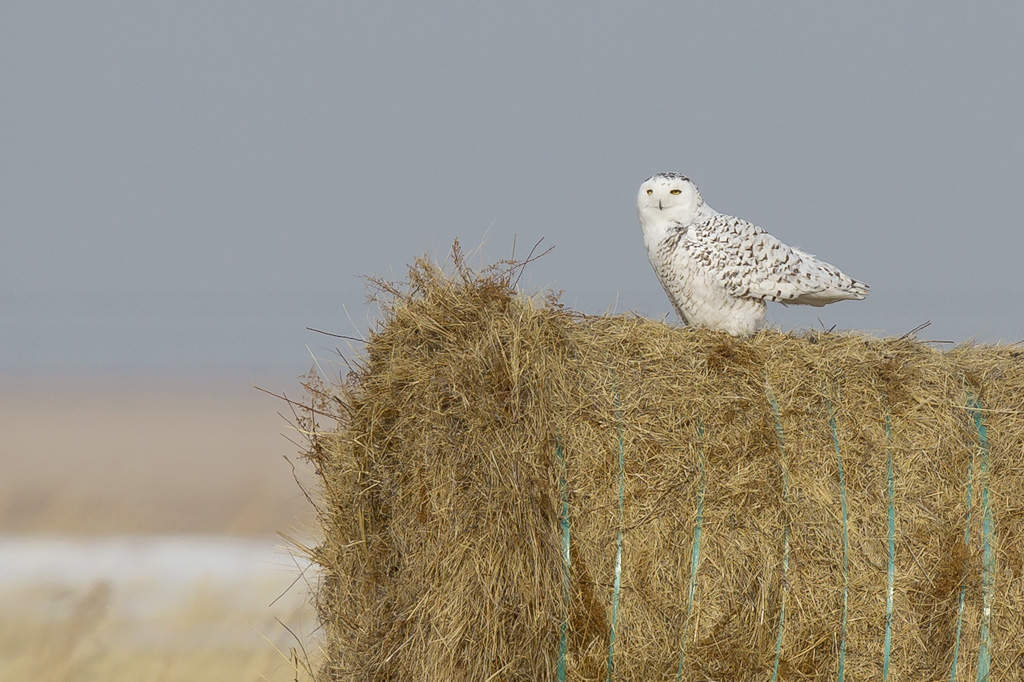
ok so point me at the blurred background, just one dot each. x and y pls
(187, 187)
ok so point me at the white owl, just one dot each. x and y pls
(718, 270)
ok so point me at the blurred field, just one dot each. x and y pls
(138, 540)
(146, 457)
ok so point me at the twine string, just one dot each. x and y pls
(987, 556)
(963, 582)
(563, 630)
(618, 542)
(846, 540)
(887, 646)
(695, 552)
(785, 529)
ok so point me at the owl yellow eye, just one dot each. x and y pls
(676, 191)
(650, 191)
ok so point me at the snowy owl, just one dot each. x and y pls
(718, 270)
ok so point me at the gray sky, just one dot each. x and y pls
(186, 186)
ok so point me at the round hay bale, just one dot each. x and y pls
(514, 491)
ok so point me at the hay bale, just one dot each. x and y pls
(724, 503)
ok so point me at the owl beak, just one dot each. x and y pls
(660, 207)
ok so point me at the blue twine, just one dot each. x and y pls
(695, 552)
(563, 638)
(618, 543)
(846, 540)
(963, 583)
(987, 557)
(892, 550)
(785, 530)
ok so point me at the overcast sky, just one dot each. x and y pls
(186, 186)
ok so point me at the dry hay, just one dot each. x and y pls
(477, 416)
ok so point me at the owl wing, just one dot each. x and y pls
(750, 263)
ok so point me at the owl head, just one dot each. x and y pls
(668, 197)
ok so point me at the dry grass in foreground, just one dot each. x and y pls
(138, 461)
(202, 628)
